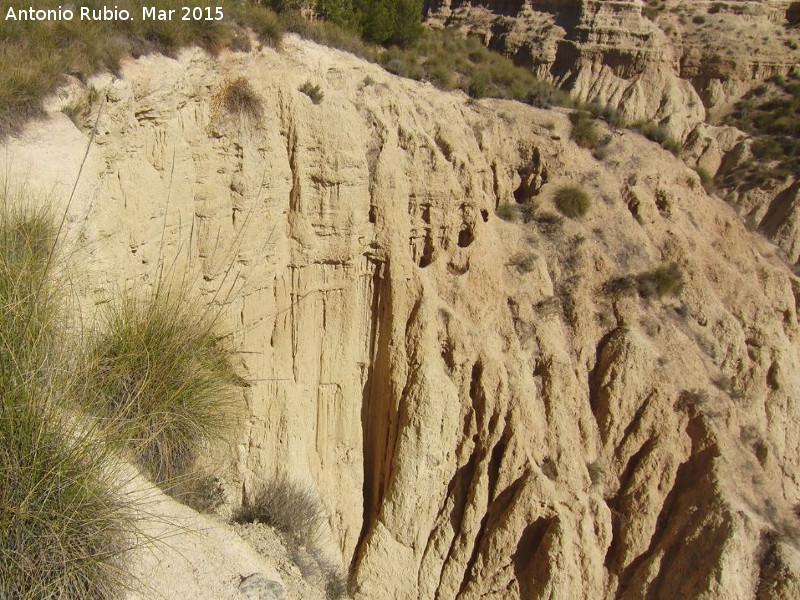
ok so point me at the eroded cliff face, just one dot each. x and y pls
(488, 409)
(679, 62)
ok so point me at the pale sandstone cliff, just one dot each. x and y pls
(690, 60)
(684, 67)
(483, 415)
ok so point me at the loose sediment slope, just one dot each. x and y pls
(488, 409)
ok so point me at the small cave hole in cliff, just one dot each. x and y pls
(427, 252)
(426, 214)
(465, 237)
(485, 215)
(793, 14)
(522, 193)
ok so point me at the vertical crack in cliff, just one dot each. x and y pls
(690, 516)
(289, 133)
(529, 566)
(618, 521)
(496, 510)
(376, 403)
(457, 492)
(595, 379)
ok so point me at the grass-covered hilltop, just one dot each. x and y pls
(36, 55)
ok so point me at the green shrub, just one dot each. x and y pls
(584, 130)
(64, 526)
(478, 85)
(30, 298)
(543, 95)
(376, 21)
(661, 281)
(659, 135)
(572, 201)
(158, 374)
(264, 22)
(523, 262)
(506, 211)
(312, 91)
(204, 493)
(610, 115)
(650, 12)
(390, 21)
(283, 6)
(601, 152)
(329, 34)
(672, 145)
(770, 113)
(450, 60)
(706, 180)
(288, 506)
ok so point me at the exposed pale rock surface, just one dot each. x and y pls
(258, 587)
(682, 64)
(679, 64)
(486, 411)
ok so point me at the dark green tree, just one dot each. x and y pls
(285, 5)
(407, 21)
(341, 12)
(390, 21)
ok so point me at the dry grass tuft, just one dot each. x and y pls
(237, 97)
(314, 92)
(297, 514)
(158, 375)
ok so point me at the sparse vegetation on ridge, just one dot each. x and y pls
(36, 54)
(771, 114)
(451, 61)
(656, 133)
(376, 21)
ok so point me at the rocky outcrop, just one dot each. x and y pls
(488, 409)
(679, 63)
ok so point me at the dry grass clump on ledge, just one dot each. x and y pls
(157, 374)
